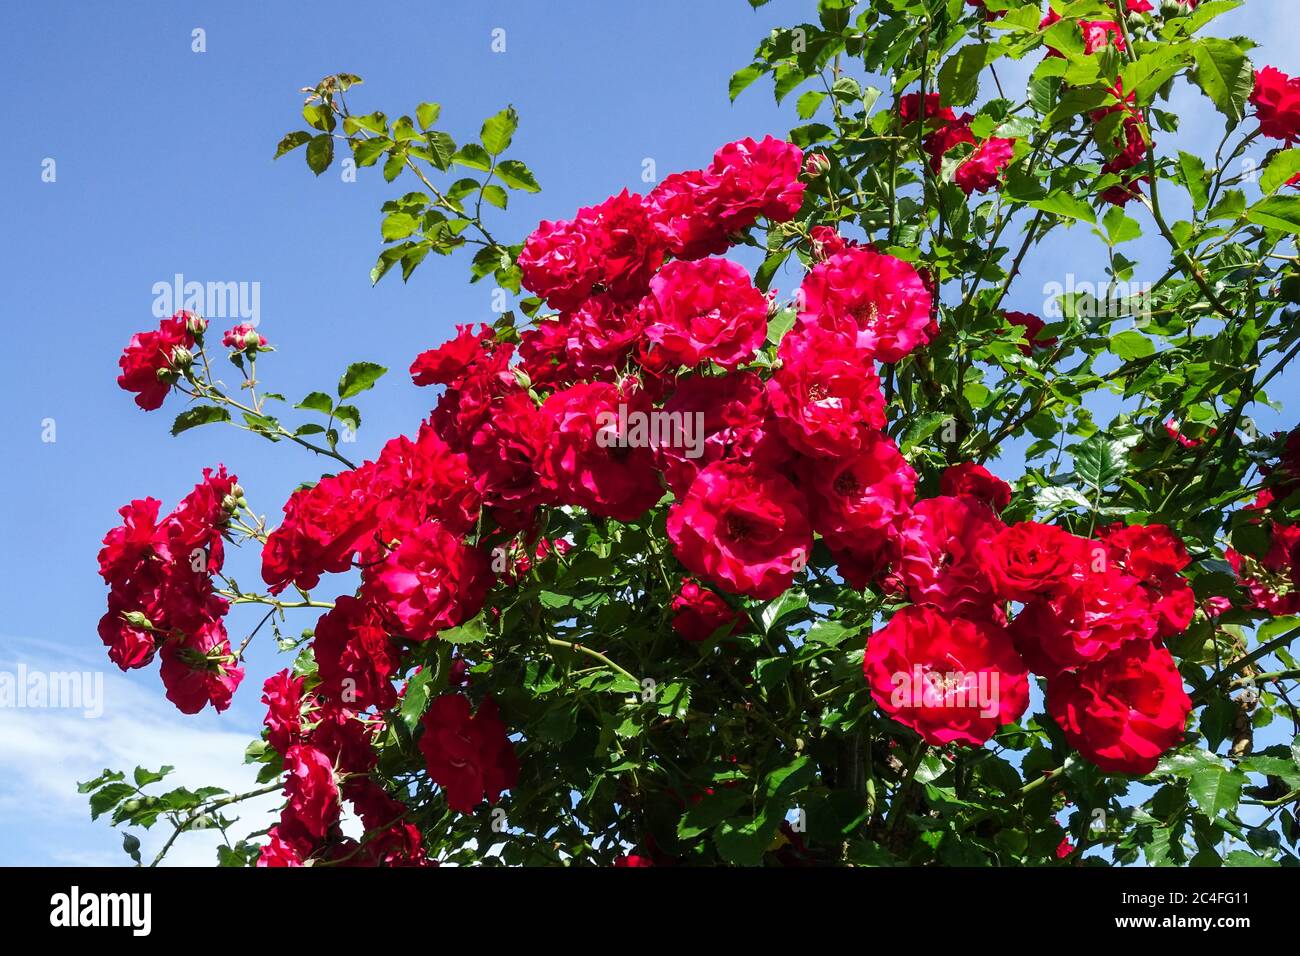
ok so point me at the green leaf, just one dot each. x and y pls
(1195, 179)
(1098, 462)
(1061, 203)
(426, 114)
(517, 176)
(320, 153)
(200, 415)
(1216, 790)
(1284, 167)
(474, 156)
(473, 631)
(317, 402)
(398, 225)
(1276, 212)
(442, 147)
(498, 131)
(743, 78)
(743, 842)
(291, 142)
(959, 75)
(1225, 75)
(416, 699)
(1132, 345)
(359, 377)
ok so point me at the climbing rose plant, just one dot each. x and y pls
(835, 560)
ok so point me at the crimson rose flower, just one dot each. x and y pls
(733, 413)
(825, 395)
(282, 693)
(313, 796)
(431, 582)
(149, 362)
(354, 655)
(941, 555)
(1123, 711)
(977, 481)
(698, 613)
(1276, 99)
(1094, 615)
(470, 757)
(878, 299)
(201, 669)
(856, 499)
(705, 311)
(1029, 560)
(449, 361)
(949, 679)
(981, 171)
(587, 461)
(1033, 327)
(611, 247)
(743, 528)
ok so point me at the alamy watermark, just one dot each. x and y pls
(1097, 300)
(654, 429)
(53, 690)
(212, 300)
(958, 689)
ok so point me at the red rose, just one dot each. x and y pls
(705, 311)
(354, 655)
(1029, 560)
(1123, 711)
(632, 860)
(1033, 327)
(825, 395)
(743, 528)
(941, 555)
(982, 170)
(681, 209)
(543, 353)
(698, 613)
(201, 669)
(910, 109)
(827, 242)
(755, 178)
(1093, 616)
(948, 137)
(503, 455)
(149, 362)
(949, 679)
(602, 334)
(449, 361)
(857, 499)
(733, 414)
(1155, 555)
(282, 693)
(243, 338)
(611, 247)
(1276, 99)
(313, 796)
(588, 463)
(879, 299)
(469, 757)
(282, 851)
(431, 582)
(977, 481)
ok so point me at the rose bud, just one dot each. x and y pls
(816, 165)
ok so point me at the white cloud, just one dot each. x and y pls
(44, 753)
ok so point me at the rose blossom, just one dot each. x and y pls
(949, 679)
(1123, 711)
(705, 311)
(743, 528)
(877, 298)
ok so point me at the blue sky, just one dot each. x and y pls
(164, 166)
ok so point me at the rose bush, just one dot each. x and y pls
(830, 560)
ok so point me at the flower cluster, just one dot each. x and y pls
(1092, 615)
(982, 168)
(161, 598)
(328, 752)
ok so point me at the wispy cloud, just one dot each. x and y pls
(44, 753)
